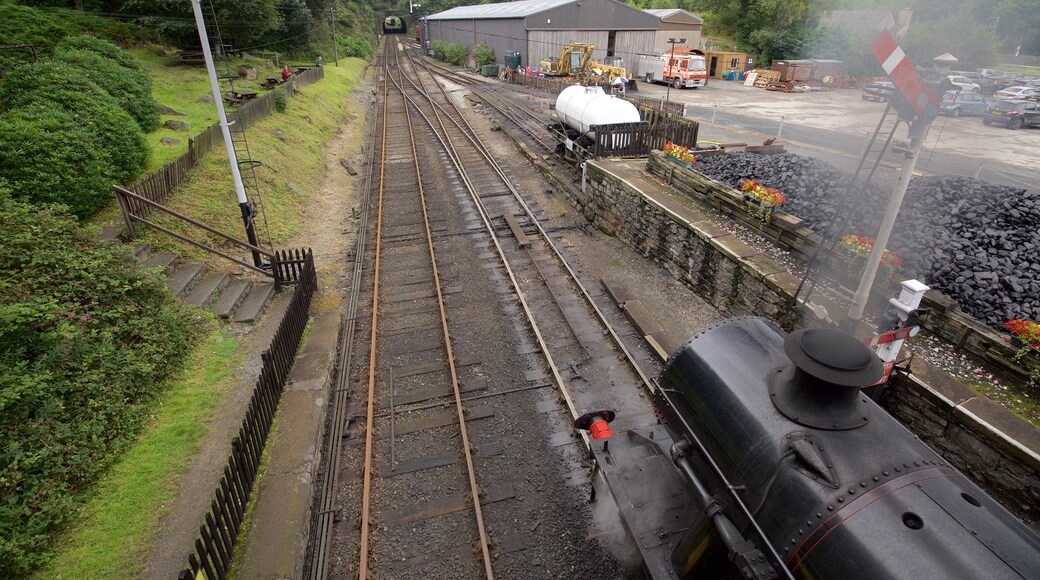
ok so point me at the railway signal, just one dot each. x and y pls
(904, 76)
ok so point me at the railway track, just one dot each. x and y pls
(454, 407)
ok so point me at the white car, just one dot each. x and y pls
(1017, 94)
(964, 83)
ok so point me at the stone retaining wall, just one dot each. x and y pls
(945, 321)
(731, 275)
(976, 435)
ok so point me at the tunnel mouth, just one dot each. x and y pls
(821, 386)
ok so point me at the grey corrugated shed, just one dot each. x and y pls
(499, 10)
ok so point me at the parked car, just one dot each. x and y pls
(973, 76)
(879, 91)
(1013, 114)
(964, 83)
(956, 103)
(1017, 93)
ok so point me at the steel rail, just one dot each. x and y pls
(647, 383)
(486, 219)
(471, 135)
(366, 496)
(323, 523)
(463, 430)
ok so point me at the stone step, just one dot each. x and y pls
(230, 297)
(141, 252)
(110, 233)
(255, 304)
(204, 292)
(184, 278)
(164, 260)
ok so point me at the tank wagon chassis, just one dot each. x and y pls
(577, 147)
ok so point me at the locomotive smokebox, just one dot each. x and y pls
(821, 388)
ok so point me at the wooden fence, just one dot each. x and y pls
(214, 548)
(639, 139)
(159, 185)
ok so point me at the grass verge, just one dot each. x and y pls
(290, 146)
(120, 521)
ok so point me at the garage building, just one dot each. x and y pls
(538, 29)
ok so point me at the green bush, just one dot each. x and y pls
(68, 87)
(44, 29)
(483, 54)
(48, 156)
(281, 99)
(87, 341)
(355, 46)
(132, 88)
(449, 52)
(102, 47)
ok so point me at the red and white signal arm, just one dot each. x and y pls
(904, 76)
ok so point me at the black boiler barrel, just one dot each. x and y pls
(864, 500)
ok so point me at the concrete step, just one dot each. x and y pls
(230, 298)
(165, 260)
(203, 292)
(184, 278)
(254, 304)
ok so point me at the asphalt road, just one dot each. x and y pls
(835, 126)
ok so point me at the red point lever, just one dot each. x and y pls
(596, 423)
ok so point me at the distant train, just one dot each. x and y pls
(394, 25)
(769, 462)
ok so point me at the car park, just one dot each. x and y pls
(963, 82)
(1017, 93)
(956, 103)
(1013, 114)
(879, 91)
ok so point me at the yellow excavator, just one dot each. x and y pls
(575, 61)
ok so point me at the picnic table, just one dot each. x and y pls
(239, 96)
(243, 95)
(272, 82)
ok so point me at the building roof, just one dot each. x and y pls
(663, 13)
(518, 9)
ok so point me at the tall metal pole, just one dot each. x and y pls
(918, 131)
(225, 130)
(668, 91)
(335, 43)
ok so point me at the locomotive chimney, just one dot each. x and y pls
(821, 388)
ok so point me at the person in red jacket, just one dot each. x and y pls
(286, 73)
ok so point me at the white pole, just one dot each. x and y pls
(714, 109)
(225, 129)
(781, 129)
(918, 130)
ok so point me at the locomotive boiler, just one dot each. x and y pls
(769, 462)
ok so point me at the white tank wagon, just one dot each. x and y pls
(581, 110)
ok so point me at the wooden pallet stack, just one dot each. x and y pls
(766, 78)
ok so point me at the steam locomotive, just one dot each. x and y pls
(768, 461)
(394, 25)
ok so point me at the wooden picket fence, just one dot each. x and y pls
(639, 139)
(159, 185)
(214, 548)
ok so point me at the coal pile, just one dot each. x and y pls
(977, 242)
